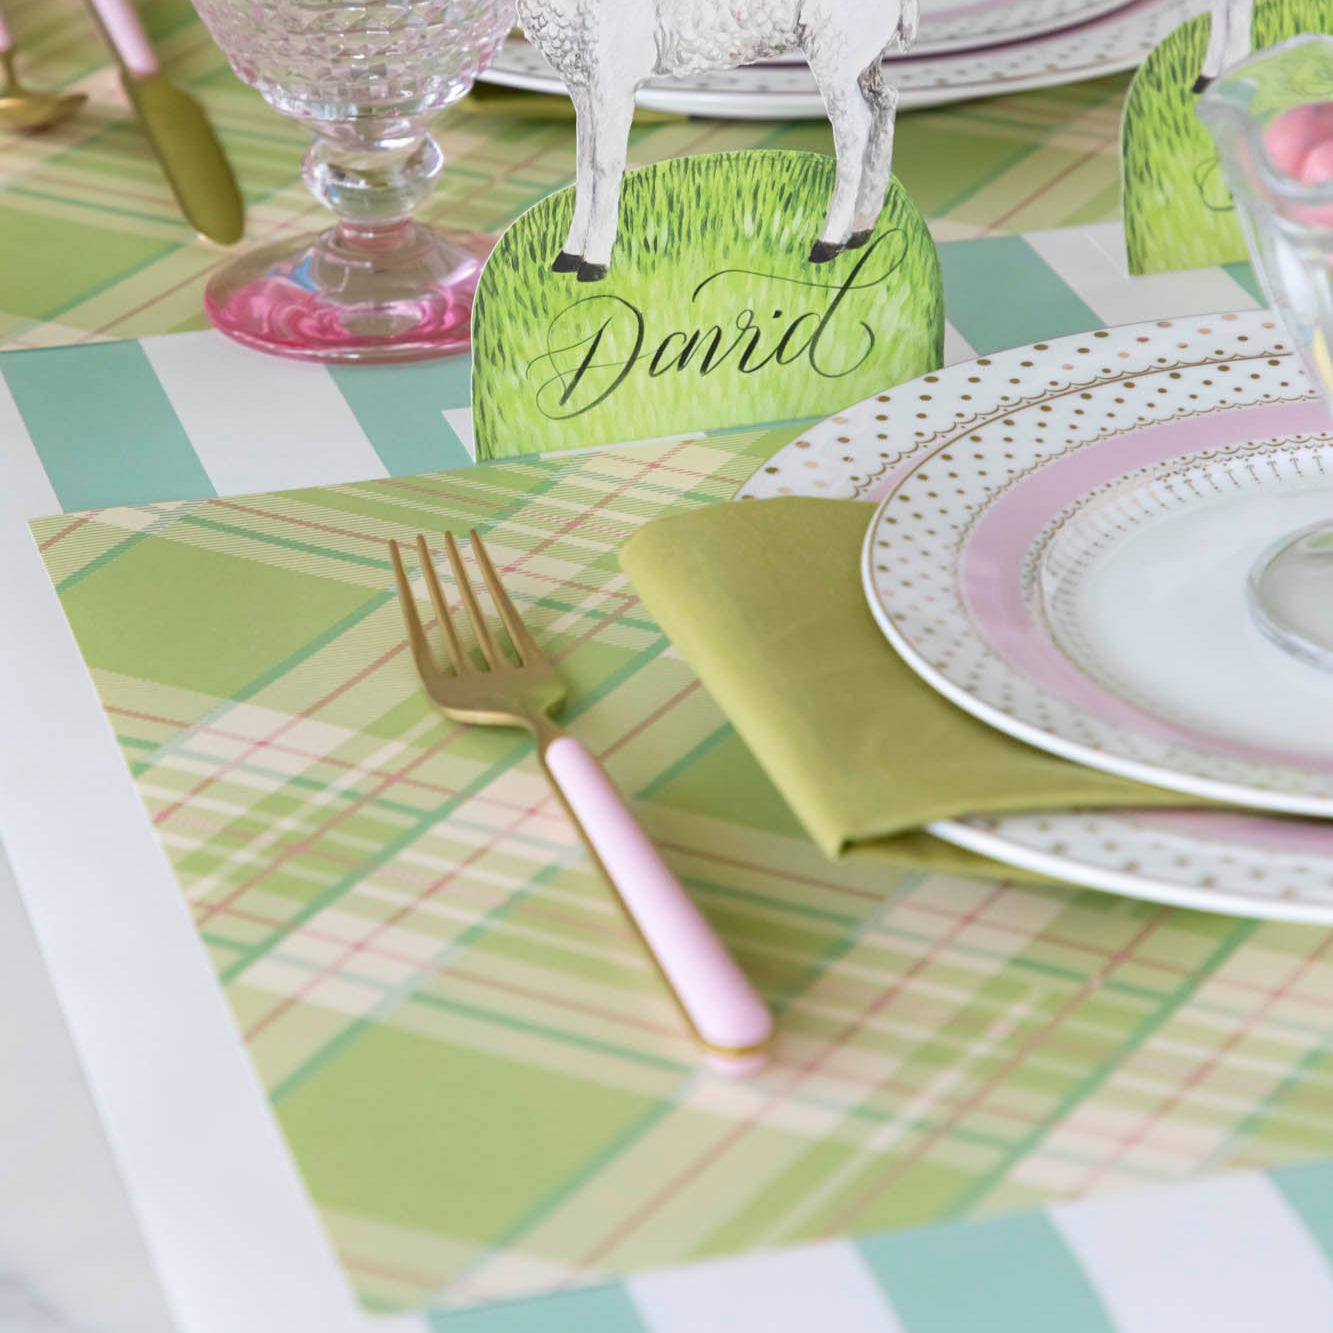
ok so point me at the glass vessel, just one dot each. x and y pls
(1273, 123)
(366, 77)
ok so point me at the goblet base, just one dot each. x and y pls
(402, 293)
(1291, 594)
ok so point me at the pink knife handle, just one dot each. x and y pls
(723, 1007)
(126, 31)
(6, 41)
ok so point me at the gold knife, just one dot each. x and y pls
(183, 141)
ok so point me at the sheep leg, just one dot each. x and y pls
(611, 127)
(569, 259)
(851, 132)
(1240, 33)
(1219, 38)
(883, 103)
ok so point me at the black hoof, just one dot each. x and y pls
(824, 251)
(1201, 83)
(592, 272)
(859, 238)
(566, 263)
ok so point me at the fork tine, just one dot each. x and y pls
(416, 635)
(457, 657)
(479, 625)
(524, 644)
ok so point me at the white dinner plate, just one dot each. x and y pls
(981, 547)
(1066, 556)
(1116, 41)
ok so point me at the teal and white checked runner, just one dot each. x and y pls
(1244, 1254)
(187, 415)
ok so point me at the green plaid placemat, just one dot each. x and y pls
(94, 248)
(485, 1090)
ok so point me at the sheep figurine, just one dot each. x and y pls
(607, 49)
(1229, 38)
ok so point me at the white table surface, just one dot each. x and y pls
(70, 1253)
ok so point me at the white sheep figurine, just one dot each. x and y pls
(607, 49)
(1229, 38)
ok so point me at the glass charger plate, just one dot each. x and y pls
(938, 451)
(1116, 41)
(950, 25)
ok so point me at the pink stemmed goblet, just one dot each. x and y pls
(377, 285)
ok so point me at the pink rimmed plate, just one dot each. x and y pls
(1048, 517)
(1070, 563)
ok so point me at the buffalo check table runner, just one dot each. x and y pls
(183, 415)
(487, 1096)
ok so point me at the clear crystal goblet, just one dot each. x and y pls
(1272, 119)
(366, 77)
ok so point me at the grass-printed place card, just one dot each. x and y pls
(712, 315)
(1178, 209)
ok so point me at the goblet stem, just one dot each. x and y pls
(1291, 594)
(372, 173)
(377, 285)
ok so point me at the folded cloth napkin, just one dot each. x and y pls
(764, 600)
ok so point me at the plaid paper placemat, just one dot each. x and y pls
(96, 249)
(476, 1073)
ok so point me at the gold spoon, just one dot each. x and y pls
(22, 108)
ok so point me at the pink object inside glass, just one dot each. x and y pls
(1299, 143)
(1291, 137)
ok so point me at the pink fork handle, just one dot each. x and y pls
(6, 41)
(126, 32)
(724, 1008)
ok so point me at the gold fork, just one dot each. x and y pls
(715, 998)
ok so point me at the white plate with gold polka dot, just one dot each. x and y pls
(1060, 548)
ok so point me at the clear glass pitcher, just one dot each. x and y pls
(1272, 118)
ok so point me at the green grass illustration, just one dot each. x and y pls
(713, 254)
(1178, 210)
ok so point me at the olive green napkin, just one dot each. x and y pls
(493, 100)
(765, 602)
